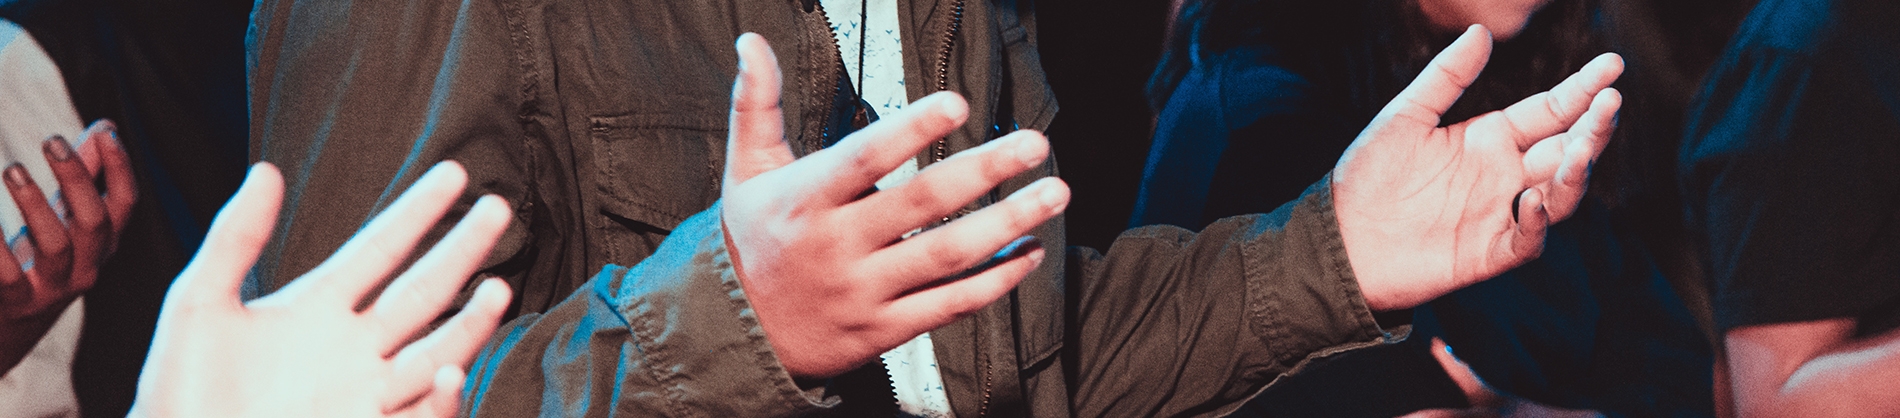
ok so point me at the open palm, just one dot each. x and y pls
(1426, 209)
(306, 350)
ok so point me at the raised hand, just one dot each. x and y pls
(306, 350)
(1425, 210)
(826, 267)
(65, 255)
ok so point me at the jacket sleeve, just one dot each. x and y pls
(1174, 323)
(1168, 323)
(671, 336)
(355, 100)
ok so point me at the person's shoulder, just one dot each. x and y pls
(1253, 76)
(1811, 27)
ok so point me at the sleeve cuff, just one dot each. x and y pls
(1304, 300)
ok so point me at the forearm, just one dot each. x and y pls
(1851, 379)
(1226, 311)
(673, 335)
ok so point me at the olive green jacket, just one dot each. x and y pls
(603, 122)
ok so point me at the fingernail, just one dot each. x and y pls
(1021, 246)
(1030, 151)
(57, 148)
(1051, 196)
(112, 132)
(16, 175)
(1514, 205)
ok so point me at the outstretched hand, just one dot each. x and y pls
(65, 255)
(826, 266)
(1425, 210)
(306, 350)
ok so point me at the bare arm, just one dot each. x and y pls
(1814, 368)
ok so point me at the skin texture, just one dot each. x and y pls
(1812, 369)
(1506, 18)
(1423, 210)
(1426, 210)
(306, 351)
(832, 280)
(66, 254)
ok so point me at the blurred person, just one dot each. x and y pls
(601, 122)
(1788, 166)
(1258, 96)
(170, 75)
(54, 246)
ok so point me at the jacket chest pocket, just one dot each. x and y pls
(657, 169)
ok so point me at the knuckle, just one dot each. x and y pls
(57, 249)
(944, 256)
(862, 158)
(1025, 215)
(1555, 105)
(927, 197)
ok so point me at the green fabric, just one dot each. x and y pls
(603, 123)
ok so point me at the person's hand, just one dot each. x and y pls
(65, 254)
(1425, 210)
(825, 265)
(306, 350)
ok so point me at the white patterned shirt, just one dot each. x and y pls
(874, 59)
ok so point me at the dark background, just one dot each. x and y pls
(1098, 55)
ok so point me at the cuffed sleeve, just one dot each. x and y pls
(671, 336)
(1173, 323)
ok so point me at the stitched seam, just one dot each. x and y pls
(644, 329)
(749, 322)
(1334, 245)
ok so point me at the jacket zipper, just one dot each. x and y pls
(943, 67)
(942, 149)
(938, 153)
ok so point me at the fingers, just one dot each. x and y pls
(931, 308)
(1532, 220)
(422, 292)
(929, 257)
(16, 291)
(757, 140)
(1444, 79)
(1549, 113)
(1542, 160)
(452, 345)
(236, 238)
(54, 257)
(122, 189)
(99, 133)
(91, 229)
(1585, 141)
(857, 162)
(379, 247)
(443, 400)
(946, 186)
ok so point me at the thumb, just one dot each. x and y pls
(236, 238)
(756, 142)
(1444, 79)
